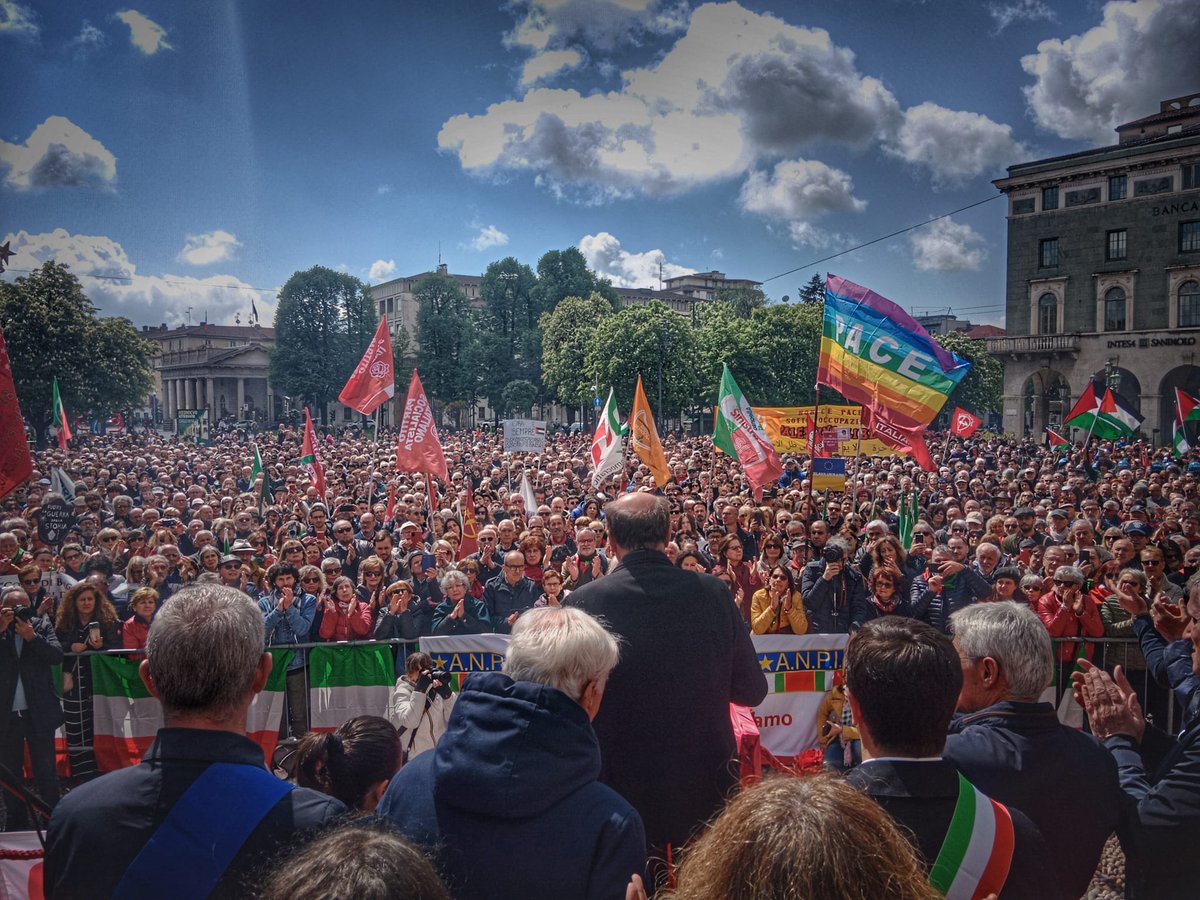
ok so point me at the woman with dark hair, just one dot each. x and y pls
(344, 617)
(691, 560)
(86, 622)
(355, 862)
(770, 556)
(777, 608)
(353, 764)
(534, 549)
(885, 596)
(790, 838)
(730, 553)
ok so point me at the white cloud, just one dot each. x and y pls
(545, 65)
(146, 34)
(383, 189)
(58, 154)
(947, 246)
(954, 145)
(796, 193)
(89, 40)
(17, 19)
(606, 257)
(206, 249)
(696, 116)
(1004, 14)
(1117, 71)
(602, 24)
(382, 269)
(122, 291)
(489, 236)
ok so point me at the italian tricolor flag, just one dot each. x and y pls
(127, 718)
(978, 848)
(60, 418)
(811, 680)
(348, 681)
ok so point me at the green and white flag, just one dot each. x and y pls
(737, 431)
(264, 489)
(1187, 409)
(608, 453)
(348, 681)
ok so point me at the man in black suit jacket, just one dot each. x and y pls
(903, 679)
(666, 739)
(28, 651)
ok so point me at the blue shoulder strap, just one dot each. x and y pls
(202, 833)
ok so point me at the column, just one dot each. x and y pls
(189, 394)
(208, 399)
(1013, 415)
(241, 397)
(270, 411)
(1151, 411)
(174, 391)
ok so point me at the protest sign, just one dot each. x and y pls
(524, 435)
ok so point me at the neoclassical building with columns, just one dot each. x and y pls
(1104, 274)
(221, 368)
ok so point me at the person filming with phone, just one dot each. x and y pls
(835, 599)
(946, 587)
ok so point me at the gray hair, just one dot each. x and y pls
(203, 650)
(1064, 573)
(562, 647)
(1013, 635)
(453, 576)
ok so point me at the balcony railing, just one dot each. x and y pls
(1033, 343)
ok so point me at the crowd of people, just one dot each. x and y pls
(1086, 544)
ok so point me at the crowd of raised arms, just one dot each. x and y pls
(1098, 542)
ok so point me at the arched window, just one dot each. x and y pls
(1114, 309)
(1189, 304)
(1047, 314)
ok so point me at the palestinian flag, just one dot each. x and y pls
(1187, 409)
(347, 681)
(1110, 419)
(309, 458)
(1088, 404)
(126, 718)
(60, 418)
(1056, 441)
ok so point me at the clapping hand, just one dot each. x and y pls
(1131, 601)
(1170, 619)
(1111, 705)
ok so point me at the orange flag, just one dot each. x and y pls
(644, 437)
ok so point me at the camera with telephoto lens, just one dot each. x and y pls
(832, 554)
(23, 613)
(440, 675)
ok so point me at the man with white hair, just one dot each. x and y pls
(201, 805)
(1013, 748)
(509, 802)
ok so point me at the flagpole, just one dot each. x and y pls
(812, 450)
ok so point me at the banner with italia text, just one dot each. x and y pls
(798, 669)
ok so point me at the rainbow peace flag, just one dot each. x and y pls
(876, 354)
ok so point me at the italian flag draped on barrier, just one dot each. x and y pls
(126, 717)
(348, 681)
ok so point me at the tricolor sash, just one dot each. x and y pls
(978, 848)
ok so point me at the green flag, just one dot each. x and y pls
(256, 469)
(737, 432)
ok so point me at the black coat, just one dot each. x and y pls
(1015, 753)
(1160, 821)
(921, 797)
(666, 739)
(838, 606)
(34, 666)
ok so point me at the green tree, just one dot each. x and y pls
(983, 388)
(518, 395)
(447, 335)
(813, 291)
(565, 273)
(323, 323)
(791, 342)
(565, 334)
(510, 341)
(745, 300)
(51, 329)
(649, 339)
(725, 337)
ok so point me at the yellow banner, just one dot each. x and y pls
(787, 427)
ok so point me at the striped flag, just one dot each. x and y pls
(60, 418)
(976, 855)
(737, 432)
(264, 489)
(1056, 441)
(1108, 416)
(608, 455)
(876, 354)
(309, 458)
(126, 718)
(348, 681)
(1187, 409)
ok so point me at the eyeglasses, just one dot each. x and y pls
(231, 565)
(1152, 562)
(734, 547)
(342, 530)
(514, 565)
(372, 574)
(310, 579)
(402, 591)
(107, 540)
(31, 581)
(1063, 583)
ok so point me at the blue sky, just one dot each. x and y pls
(196, 150)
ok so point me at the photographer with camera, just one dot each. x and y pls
(421, 705)
(29, 706)
(835, 599)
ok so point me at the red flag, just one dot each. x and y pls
(1086, 403)
(419, 449)
(431, 488)
(391, 507)
(912, 441)
(16, 465)
(1056, 440)
(309, 458)
(965, 423)
(372, 381)
(470, 525)
(1109, 403)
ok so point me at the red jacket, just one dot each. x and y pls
(352, 625)
(1061, 622)
(133, 634)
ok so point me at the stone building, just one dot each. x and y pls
(1104, 274)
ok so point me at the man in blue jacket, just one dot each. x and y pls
(509, 802)
(1013, 748)
(510, 593)
(946, 587)
(288, 617)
